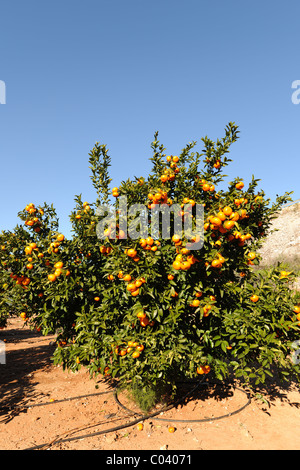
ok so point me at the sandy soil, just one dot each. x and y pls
(44, 407)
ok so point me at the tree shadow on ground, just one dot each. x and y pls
(16, 385)
(269, 393)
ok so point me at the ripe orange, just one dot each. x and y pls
(228, 224)
(149, 241)
(239, 185)
(175, 159)
(254, 298)
(185, 265)
(177, 264)
(234, 216)
(135, 354)
(60, 237)
(176, 238)
(221, 215)
(141, 315)
(297, 309)
(196, 303)
(170, 277)
(171, 429)
(143, 242)
(52, 277)
(131, 287)
(131, 252)
(59, 265)
(96, 299)
(127, 277)
(140, 426)
(216, 221)
(144, 322)
(206, 310)
(216, 263)
(251, 255)
(227, 210)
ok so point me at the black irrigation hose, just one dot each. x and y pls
(203, 420)
(145, 416)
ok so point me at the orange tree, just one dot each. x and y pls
(150, 310)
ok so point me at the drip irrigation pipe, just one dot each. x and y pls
(142, 417)
(201, 420)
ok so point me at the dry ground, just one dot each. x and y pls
(40, 404)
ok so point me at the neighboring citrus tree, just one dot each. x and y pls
(151, 310)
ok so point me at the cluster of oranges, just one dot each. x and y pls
(218, 262)
(132, 253)
(33, 219)
(172, 170)
(133, 286)
(58, 270)
(159, 197)
(54, 246)
(223, 222)
(144, 320)
(184, 259)
(20, 280)
(115, 192)
(207, 186)
(30, 252)
(207, 307)
(132, 347)
(149, 244)
(203, 369)
(105, 250)
(84, 211)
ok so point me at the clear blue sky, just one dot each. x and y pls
(116, 71)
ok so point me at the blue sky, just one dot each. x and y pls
(116, 71)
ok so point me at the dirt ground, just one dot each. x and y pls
(44, 407)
